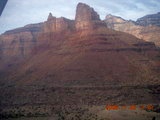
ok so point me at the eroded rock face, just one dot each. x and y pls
(86, 17)
(34, 28)
(17, 44)
(148, 33)
(153, 19)
(54, 24)
(20, 41)
(50, 17)
(102, 58)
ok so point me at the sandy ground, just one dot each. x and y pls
(103, 114)
(126, 114)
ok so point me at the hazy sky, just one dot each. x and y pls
(18, 13)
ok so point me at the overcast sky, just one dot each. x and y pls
(18, 13)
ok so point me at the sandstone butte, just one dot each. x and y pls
(46, 66)
(81, 51)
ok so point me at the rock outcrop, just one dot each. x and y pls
(86, 18)
(102, 62)
(148, 33)
(34, 28)
(50, 17)
(19, 42)
(54, 24)
(153, 19)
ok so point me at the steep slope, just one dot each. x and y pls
(153, 19)
(88, 53)
(87, 18)
(19, 42)
(100, 57)
(78, 64)
(54, 24)
(148, 33)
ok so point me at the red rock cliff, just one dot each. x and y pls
(86, 18)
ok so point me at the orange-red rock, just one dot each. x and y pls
(86, 18)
